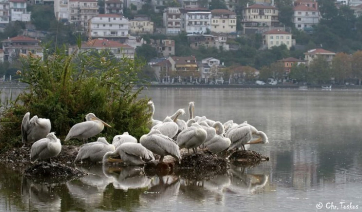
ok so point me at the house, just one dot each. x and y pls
(240, 74)
(162, 68)
(183, 63)
(195, 21)
(172, 20)
(164, 47)
(357, 10)
(110, 26)
(113, 7)
(15, 46)
(190, 4)
(1, 56)
(289, 62)
(208, 41)
(308, 3)
(18, 10)
(141, 25)
(314, 53)
(223, 21)
(4, 12)
(210, 69)
(304, 17)
(118, 49)
(61, 10)
(81, 11)
(277, 38)
(259, 15)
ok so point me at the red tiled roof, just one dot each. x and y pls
(319, 51)
(183, 60)
(222, 11)
(163, 63)
(260, 6)
(277, 31)
(291, 59)
(302, 7)
(99, 43)
(21, 38)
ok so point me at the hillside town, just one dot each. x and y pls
(194, 41)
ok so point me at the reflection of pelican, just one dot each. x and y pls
(130, 177)
(34, 129)
(153, 121)
(191, 137)
(243, 134)
(168, 127)
(45, 148)
(84, 130)
(218, 183)
(95, 176)
(165, 188)
(94, 151)
(120, 139)
(160, 144)
(39, 196)
(241, 181)
(218, 143)
(131, 154)
(180, 123)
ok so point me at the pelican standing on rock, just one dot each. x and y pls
(168, 127)
(243, 134)
(131, 154)
(124, 138)
(45, 148)
(84, 130)
(192, 137)
(160, 144)
(34, 129)
(94, 151)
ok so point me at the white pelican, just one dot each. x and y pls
(45, 148)
(211, 131)
(243, 134)
(168, 127)
(219, 142)
(94, 151)
(191, 137)
(229, 124)
(133, 154)
(180, 123)
(191, 119)
(84, 130)
(34, 129)
(124, 138)
(160, 144)
(152, 108)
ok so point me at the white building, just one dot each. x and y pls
(209, 69)
(18, 10)
(14, 47)
(314, 53)
(141, 25)
(81, 11)
(195, 21)
(4, 12)
(305, 17)
(223, 21)
(259, 15)
(108, 26)
(277, 38)
(61, 9)
(172, 20)
(113, 7)
(190, 4)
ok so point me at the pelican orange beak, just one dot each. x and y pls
(257, 141)
(114, 160)
(96, 118)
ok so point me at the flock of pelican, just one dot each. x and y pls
(165, 138)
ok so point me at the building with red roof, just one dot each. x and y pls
(260, 15)
(314, 53)
(305, 17)
(289, 62)
(223, 21)
(21, 45)
(118, 49)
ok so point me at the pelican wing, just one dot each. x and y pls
(137, 150)
(91, 150)
(185, 136)
(24, 127)
(85, 129)
(164, 144)
(38, 147)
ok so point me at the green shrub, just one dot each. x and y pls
(64, 88)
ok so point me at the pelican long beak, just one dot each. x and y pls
(103, 122)
(257, 141)
(114, 160)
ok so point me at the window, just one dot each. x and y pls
(287, 37)
(271, 42)
(271, 36)
(277, 37)
(281, 37)
(299, 19)
(110, 25)
(299, 26)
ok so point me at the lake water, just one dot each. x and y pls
(315, 160)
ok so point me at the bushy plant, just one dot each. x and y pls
(64, 88)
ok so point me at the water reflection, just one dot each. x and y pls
(242, 182)
(39, 196)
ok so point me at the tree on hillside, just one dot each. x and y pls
(13, 29)
(146, 52)
(341, 67)
(286, 12)
(217, 4)
(298, 72)
(319, 71)
(356, 66)
(42, 16)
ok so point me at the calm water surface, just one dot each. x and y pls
(315, 160)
